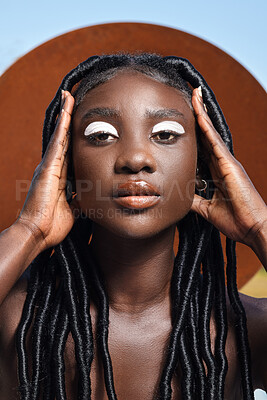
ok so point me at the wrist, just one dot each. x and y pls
(31, 235)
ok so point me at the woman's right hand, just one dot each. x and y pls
(46, 212)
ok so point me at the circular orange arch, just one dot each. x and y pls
(28, 86)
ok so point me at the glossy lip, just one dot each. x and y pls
(137, 202)
(136, 195)
(135, 188)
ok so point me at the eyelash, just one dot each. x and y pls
(93, 138)
(168, 141)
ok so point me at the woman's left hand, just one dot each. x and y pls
(236, 209)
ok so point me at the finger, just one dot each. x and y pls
(64, 105)
(65, 160)
(63, 181)
(62, 98)
(212, 140)
(66, 109)
(64, 169)
(56, 146)
(214, 167)
(65, 149)
(201, 206)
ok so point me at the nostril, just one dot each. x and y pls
(147, 169)
(129, 170)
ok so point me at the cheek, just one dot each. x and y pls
(182, 185)
(93, 175)
(179, 182)
(180, 189)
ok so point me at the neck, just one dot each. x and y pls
(136, 272)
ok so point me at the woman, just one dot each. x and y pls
(124, 317)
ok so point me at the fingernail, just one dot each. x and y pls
(199, 89)
(62, 98)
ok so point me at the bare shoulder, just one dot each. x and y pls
(256, 312)
(253, 303)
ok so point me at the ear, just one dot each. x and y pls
(201, 184)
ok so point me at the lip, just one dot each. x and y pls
(137, 202)
(136, 188)
(136, 195)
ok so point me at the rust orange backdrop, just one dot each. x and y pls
(28, 86)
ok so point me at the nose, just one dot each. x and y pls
(135, 159)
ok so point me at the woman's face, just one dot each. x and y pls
(134, 155)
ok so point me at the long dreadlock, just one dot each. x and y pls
(197, 285)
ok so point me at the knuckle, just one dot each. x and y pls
(61, 142)
(38, 170)
(238, 164)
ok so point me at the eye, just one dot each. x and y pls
(165, 136)
(167, 131)
(101, 133)
(101, 138)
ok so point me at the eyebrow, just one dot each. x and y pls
(101, 112)
(112, 113)
(164, 113)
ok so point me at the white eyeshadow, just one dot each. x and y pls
(168, 126)
(100, 126)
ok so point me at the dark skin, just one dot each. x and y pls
(134, 250)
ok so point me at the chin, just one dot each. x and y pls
(135, 225)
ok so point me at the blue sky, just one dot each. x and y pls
(236, 26)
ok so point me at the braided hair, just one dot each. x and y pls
(56, 307)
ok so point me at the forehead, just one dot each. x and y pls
(129, 90)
